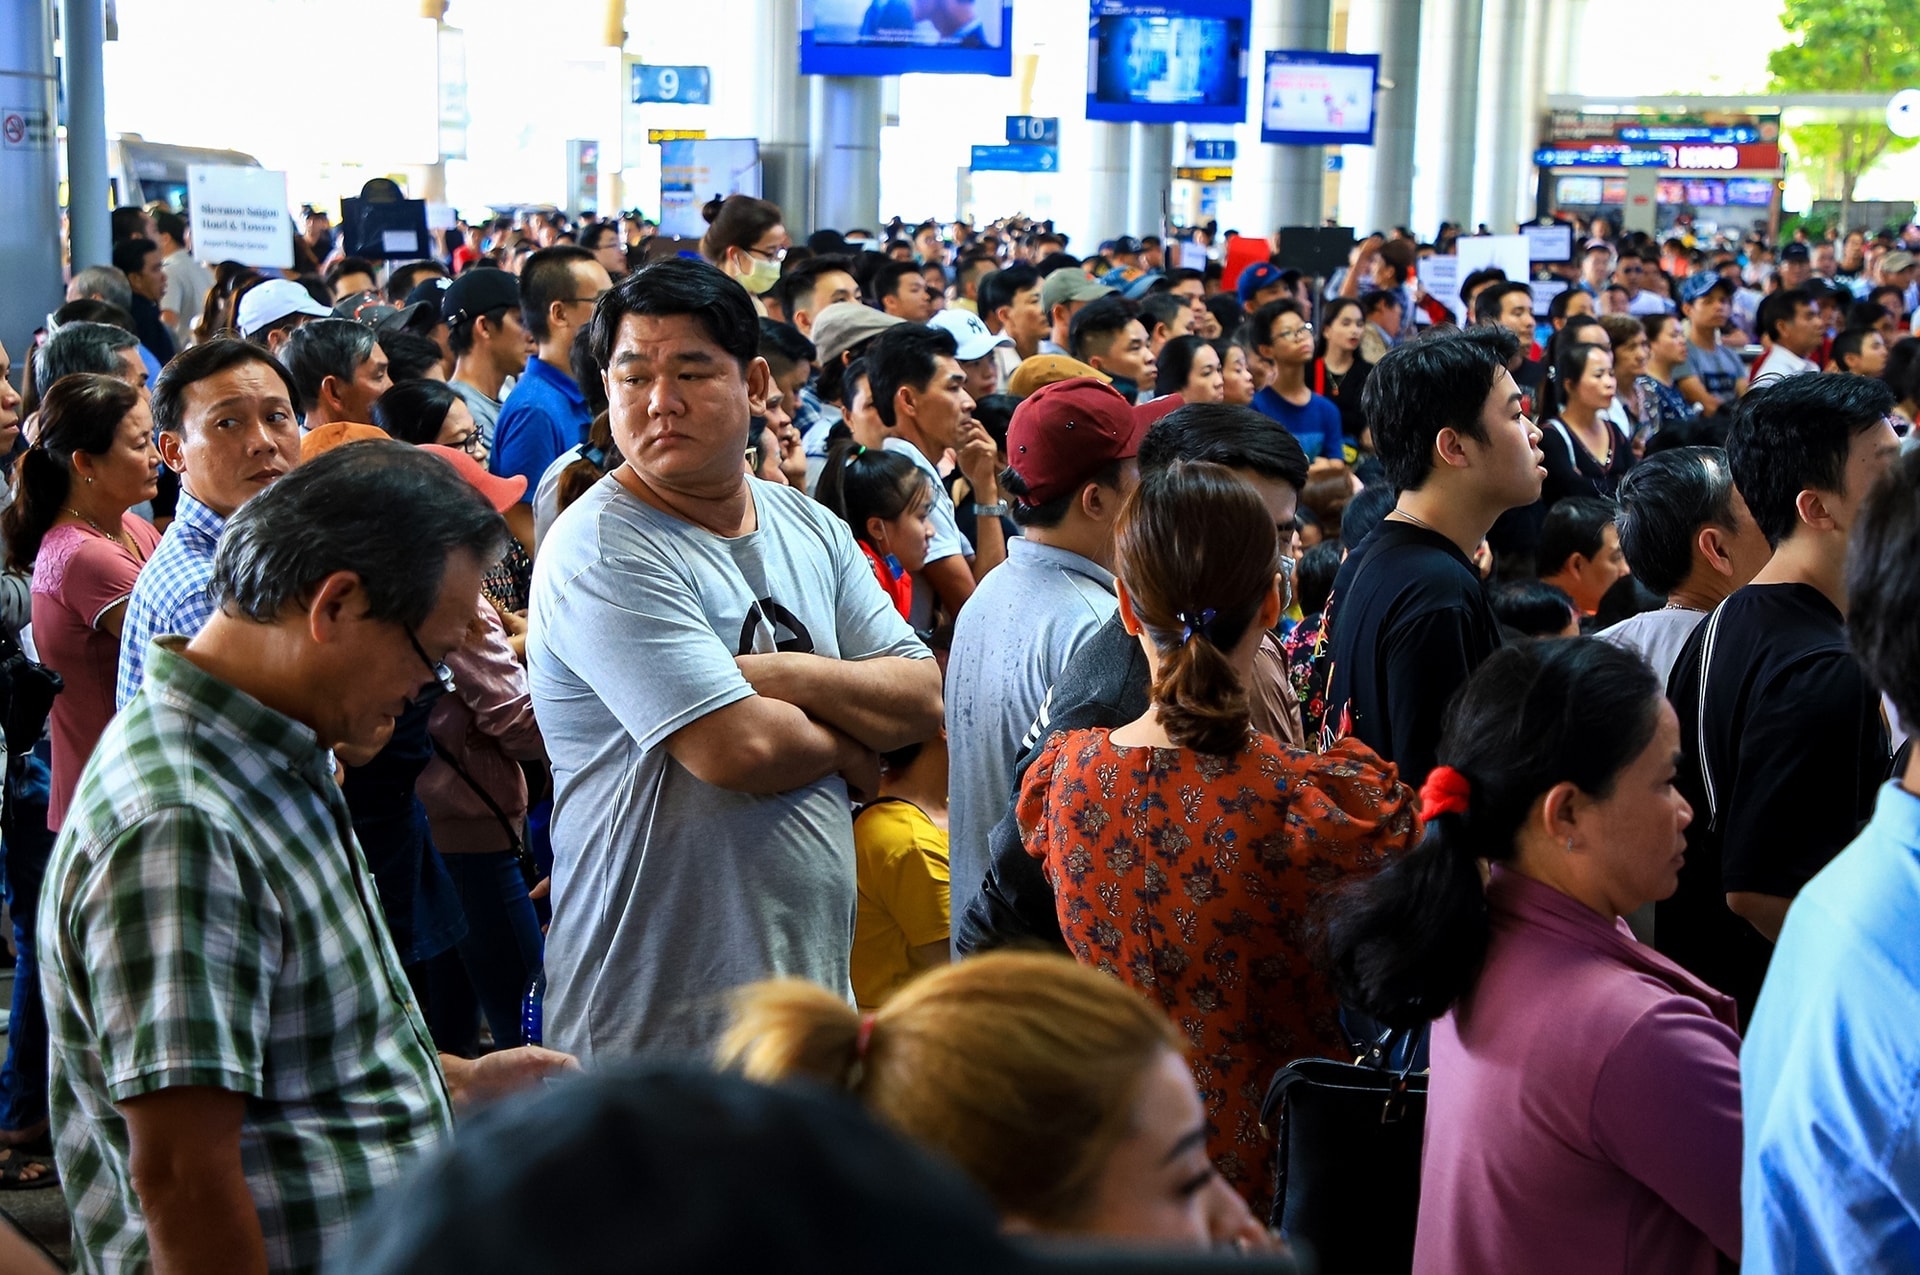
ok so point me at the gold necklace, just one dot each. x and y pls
(124, 540)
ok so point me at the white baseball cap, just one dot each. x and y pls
(273, 301)
(969, 332)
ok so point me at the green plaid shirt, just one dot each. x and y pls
(208, 919)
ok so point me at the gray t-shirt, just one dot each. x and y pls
(1011, 643)
(486, 411)
(1719, 370)
(668, 892)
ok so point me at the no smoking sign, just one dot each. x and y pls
(24, 128)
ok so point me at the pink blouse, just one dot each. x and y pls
(1583, 1114)
(78, 576)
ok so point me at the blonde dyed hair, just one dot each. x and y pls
(1021, 1068)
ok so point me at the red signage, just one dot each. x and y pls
(1686, 157)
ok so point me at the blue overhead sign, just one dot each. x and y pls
(686, 85)
(1211, 150)
(1033, 130)
(1016, 159)
(1737, 135)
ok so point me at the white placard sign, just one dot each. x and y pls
(1509, 252)
(1440, 276)
(240, 214)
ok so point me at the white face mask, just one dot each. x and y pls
(761, 274)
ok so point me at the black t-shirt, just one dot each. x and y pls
(1406, 623)
(1345, 391)
(1797, 748)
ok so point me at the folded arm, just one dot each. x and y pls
(763, 745)
(884, 703)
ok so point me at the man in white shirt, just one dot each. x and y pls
(188, 282)
(1789, 322)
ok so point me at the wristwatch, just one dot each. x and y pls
(998, 510)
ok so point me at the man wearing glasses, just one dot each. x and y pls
(238, 1063)
(546, 413)
(1283, 336)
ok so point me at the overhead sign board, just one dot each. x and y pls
(1033, 130)
(685, 85)
(655, 136)
(1016, 159)
(1211, 150)
(240, 214)
(1685, 157)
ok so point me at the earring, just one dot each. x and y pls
(89, 480)
(1569, 845)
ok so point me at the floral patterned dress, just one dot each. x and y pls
(1196, 880)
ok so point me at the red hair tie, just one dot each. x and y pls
(1445, 793)
(863, 1038)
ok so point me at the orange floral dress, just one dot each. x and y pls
(1196, 879)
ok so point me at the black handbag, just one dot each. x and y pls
(1347, 1169)
(27, 690)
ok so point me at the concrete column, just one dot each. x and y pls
(89, 228)
(1504, 114)
(1150, 177)
(1250, 208)
(1107, 186)
(1397, 112)
(1460, 94)
(784, 114)
(845, 128)
(29, 177)
(1300, 172)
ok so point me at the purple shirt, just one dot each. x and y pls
(1583, 1115)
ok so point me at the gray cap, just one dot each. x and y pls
(1068, 285)
(845, 324)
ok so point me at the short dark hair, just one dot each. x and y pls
(1794, 434)
(129, 255)
(1576, 525)
(1780, 307)
(904, 354)
(411, 356)
(1531, 608)
(1848, 345)
(405, 278)
(591, 234)
(1175, 363)
(1223, 434)
(1366, 511)
(1002, 286)
(1314, 574)
(414, 411)
(797, 284)
(1883, 589)
(1484, 275)
(1056, 261)
(1562, 301)
(680, 285)
(198, 362)
(350, 265)
(1664, 501)
(1159, 309)
(1055, 511)
(1380, 299)
(1867, 315)
(1492, 300)
(547, 277)
(171, 224)
(886, 280)
(1260, 325)
(337, 513)
(1437, 381)
(323, 348)
(782, 346)
(1100, 321)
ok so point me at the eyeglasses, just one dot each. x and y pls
(592, 300)
(441, 673)
(775, 255)
(1293, 334)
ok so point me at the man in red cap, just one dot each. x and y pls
(1070, 464)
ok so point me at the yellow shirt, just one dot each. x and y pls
(902, 863)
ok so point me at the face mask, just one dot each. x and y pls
(761, 277)
(1129, 388)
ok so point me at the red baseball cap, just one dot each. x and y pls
(503, 491)
(1063, 434)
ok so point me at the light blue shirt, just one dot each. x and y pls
(1830, 1071)
(171, 596)
(1010, 645)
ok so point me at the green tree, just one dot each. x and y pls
(1847, 46)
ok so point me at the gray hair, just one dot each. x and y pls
(1664, 501)
(340, 512)
(81, 347)
(323, 348)
(105, 283)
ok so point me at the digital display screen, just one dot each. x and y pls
(899, 37)
(1168, 62)
(1311, 98)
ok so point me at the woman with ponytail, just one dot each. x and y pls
(1186, 849)
(1063, 1095)
(1583, 1114)
(887, 503)
(94, 459)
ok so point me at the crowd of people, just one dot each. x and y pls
(1038, 696)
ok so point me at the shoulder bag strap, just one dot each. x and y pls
(1707, 786)
(517, 843)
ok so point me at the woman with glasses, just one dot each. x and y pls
(1282, 335)
(1186, 849)
(747, 238)
(421, 412)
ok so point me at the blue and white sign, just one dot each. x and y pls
(1033, 130)
(1211, 150)
(685, 85)
(1016, 159)
(1737, 135)
(1313, 98)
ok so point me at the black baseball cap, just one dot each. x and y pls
(663, 1168)
(481, 290)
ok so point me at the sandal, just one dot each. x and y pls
(21, 1172)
